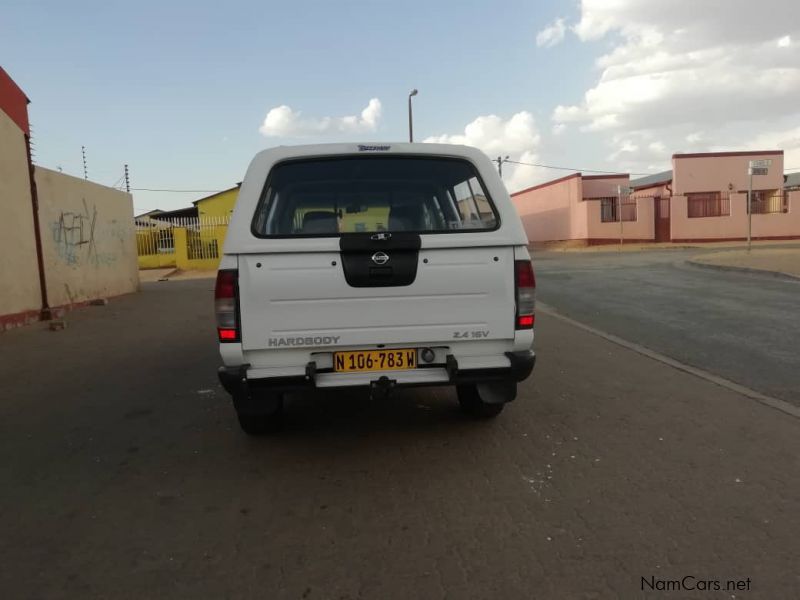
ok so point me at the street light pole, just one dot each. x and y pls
(410, 116)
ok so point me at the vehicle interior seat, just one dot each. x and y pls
(318, 221)
(405, 217)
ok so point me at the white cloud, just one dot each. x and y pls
(517, 137)
(688, 72)
(552, 34)
(695, 137)
(787, 140)
(283, 121)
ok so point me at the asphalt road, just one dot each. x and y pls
(744, 327)
(124, 475)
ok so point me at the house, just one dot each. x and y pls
(190, 212)
(583, 210)
(219, 204)
(702, 198)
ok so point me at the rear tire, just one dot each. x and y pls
(255, 421)
(473, 405)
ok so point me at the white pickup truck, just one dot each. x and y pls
(373, 265)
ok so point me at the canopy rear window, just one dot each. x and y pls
(336, 196)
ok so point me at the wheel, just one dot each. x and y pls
(260, 416)
(472, 404)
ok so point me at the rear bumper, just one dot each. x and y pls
(236, 382)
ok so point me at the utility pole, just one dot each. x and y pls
(85, 171)
(500, 160)
(127, 180)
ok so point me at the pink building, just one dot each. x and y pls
(703, 198)
(583, 209)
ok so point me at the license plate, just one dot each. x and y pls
(375, 360)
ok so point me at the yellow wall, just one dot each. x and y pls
(19, 272)
(88, 238)
(182, 260)
(157, 261)
(218, 205)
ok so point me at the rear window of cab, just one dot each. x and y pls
(337, 196)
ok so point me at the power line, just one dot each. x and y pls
(115, 185)
(516, 162)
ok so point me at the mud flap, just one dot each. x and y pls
(497, 392)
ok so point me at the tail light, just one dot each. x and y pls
(225, 305)
(525, 284)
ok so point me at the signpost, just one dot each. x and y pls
(621, 190)
(755, 167)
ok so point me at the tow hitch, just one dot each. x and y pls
(381, 387)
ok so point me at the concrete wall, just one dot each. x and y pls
(20, 299)
(723, 172)
(547, 210)
(88, 239)
(640, 230)
(563, 210)
(602, 186)
(734, 226)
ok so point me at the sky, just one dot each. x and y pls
(186, 93)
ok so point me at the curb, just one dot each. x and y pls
(748, 270)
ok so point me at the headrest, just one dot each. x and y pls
(318, 221)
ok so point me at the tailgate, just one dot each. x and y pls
(297, 300)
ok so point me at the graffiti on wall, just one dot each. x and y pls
(74, 237)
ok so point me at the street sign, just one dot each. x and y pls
(754, 167)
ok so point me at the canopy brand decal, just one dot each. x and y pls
(320, 340)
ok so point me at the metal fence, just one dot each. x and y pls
(157, 237)
(766, 202)
(154, 238)
(610, 207)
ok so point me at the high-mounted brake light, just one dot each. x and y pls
(225, 301)
(525, 284)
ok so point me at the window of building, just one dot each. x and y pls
(708, 204)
